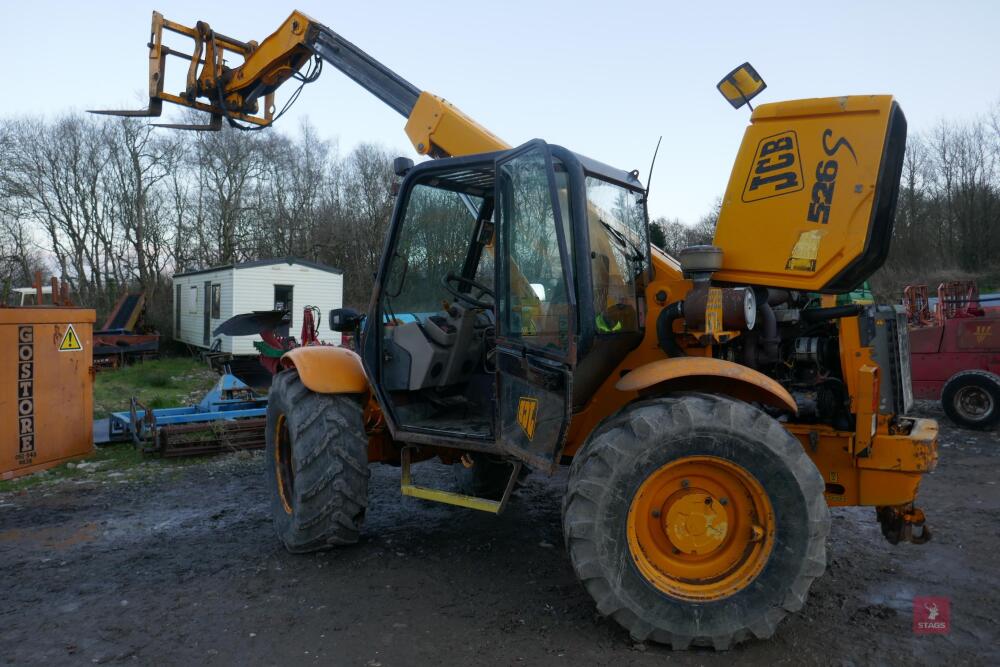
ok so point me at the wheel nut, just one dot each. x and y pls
(684, 483)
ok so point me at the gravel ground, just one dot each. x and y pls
(180, 566)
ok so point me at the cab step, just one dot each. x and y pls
(408, 488)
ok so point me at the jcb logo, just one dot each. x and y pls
(527, 413)
(776, 169)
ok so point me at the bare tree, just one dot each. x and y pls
(139, 163)
(368, 202)
(675, 235)
(54, 174)
(226, 165)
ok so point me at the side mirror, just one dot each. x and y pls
(344, 320)
(741, 85)
(401, 165)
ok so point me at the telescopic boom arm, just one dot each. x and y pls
(435, 126)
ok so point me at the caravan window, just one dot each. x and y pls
(283, 297)
(193, 299)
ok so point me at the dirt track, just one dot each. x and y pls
(181, 567)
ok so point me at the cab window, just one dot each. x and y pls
(534, 306)
(619, 242)
(433, 242)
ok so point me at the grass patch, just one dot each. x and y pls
(120, 461)
(162, 383)
(113, 458)
(160, 380)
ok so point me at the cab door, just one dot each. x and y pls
(536, 307)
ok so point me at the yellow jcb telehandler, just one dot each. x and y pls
(710, 408)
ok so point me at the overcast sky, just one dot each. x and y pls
(602, 78)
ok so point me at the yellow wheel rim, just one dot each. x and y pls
(283, 463)
(700, 528)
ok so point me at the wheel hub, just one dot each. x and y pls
(694, 525)
(973, 403)
(700, 528)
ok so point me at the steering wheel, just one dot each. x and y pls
(465, 297)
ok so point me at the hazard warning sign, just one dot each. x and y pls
(70, 341)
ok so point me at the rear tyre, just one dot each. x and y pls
(487, 477)
(317, 465)
(971, 399)
(695, 520)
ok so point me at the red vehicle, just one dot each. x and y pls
(955, 352)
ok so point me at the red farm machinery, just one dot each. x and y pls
(955, 351)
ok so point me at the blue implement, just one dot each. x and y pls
(230, 416)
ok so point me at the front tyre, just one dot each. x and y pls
(316, 465)
(695, 520)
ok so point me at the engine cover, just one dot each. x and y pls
(812, 196)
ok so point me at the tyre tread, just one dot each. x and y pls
(626, 434)
(330, 493)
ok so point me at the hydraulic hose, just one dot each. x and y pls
(665, 329)
(769, 339)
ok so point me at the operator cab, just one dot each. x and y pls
(498, 353)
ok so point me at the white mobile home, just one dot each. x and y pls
(205, 299)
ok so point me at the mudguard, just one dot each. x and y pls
(708, 375)
(325, 369)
